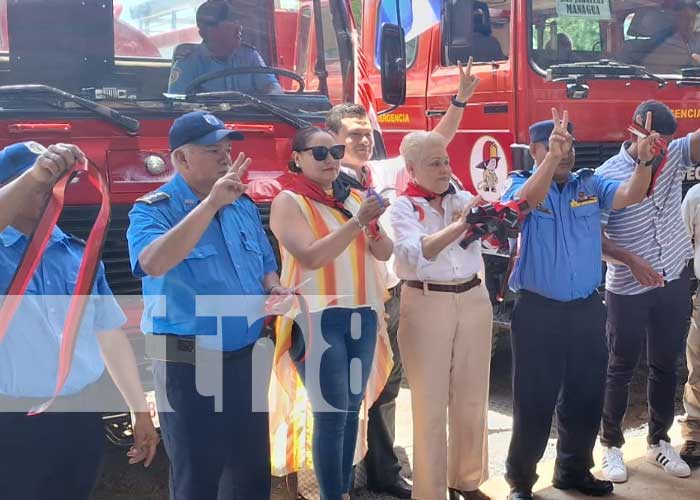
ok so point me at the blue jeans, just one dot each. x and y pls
(343, 363)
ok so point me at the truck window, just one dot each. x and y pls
(387, 14)
(659, 35)
(486, 38)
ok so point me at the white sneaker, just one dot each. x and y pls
(666, 457)
(614, 468)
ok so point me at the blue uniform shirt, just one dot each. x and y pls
(200, 62)
(231, 258)
(561, 253)
(30, 350)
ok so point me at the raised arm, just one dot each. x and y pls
(634, 189)
(449, 124)
(170, 249)
(535, 189)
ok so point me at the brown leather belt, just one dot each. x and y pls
(436, 287)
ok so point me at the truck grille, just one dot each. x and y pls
(78, 221)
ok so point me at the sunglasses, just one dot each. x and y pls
(321, 152)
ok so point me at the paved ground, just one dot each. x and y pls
(121, 482)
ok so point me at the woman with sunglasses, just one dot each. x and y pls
(330, 244)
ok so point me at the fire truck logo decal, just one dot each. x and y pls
(488, 168)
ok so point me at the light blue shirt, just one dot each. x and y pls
(200, 62)
(231, 258)
(561, 253)
(30, 350)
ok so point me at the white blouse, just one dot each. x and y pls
(454, 264)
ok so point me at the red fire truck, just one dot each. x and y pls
(95, 73)
(598, 59)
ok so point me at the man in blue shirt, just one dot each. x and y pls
(201, 235)
(222, 48)
(558, 325)
(56, 455)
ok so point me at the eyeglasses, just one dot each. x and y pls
(321, 152)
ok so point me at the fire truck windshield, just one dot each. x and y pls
(165, 49)
(660, 35)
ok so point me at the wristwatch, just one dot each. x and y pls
(457, 103)
(647, 163)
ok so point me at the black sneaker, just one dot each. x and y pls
(690, 452)
(586, 484)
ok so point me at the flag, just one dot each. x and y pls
(364, 94)
(417, 16)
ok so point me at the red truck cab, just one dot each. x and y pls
(597, 59)
(102, 85)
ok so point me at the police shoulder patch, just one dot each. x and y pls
(175, 75)
(520, 173)
(154, 197)
(77, 240)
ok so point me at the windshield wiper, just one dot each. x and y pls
(130, 124)
(604, 68)
(282, 113)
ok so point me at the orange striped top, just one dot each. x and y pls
(353, 279)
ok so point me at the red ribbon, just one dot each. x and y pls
(86, 276)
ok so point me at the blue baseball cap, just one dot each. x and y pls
(540, 131)
(18, 158)
(200, 128)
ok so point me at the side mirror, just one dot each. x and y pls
(522, 159)
(393, 64)
(457, 27)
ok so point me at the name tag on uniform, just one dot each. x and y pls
(584, 200)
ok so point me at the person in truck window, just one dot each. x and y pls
(676, 50)
(561, 53)
(56, 455)
(200, 235)
(485, 46)
(647, 249)
(222, 47)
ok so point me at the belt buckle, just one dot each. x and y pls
(426, 288)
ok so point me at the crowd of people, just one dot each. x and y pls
(373, 250)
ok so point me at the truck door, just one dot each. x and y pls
(411, 115)
(480, 153)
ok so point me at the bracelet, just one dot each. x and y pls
(647, 163)
(457, 103)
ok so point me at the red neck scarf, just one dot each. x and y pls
(413, 189)
(300, 184)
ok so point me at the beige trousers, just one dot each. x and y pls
(690, 424)
(445, 343)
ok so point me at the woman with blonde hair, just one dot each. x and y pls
(447, 361)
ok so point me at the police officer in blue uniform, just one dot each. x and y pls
(201, 235)
(222, 47)
(56, 454)
(558, 325)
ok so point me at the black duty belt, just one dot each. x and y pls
(436, 287)
(182, 349)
